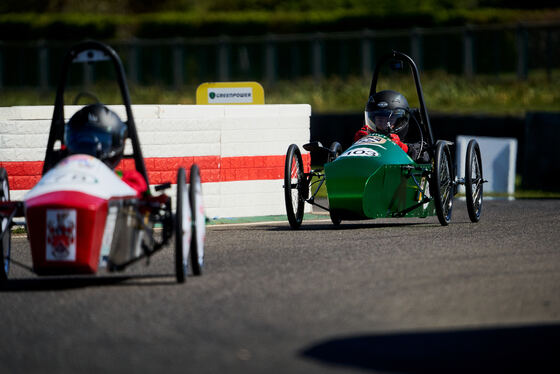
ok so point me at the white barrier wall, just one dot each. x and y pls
(498, 162)
(239, 149)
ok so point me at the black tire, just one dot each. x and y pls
(335, 218)
(295, 189)
(183, 227)
(198, 220)
(336, 150)
(473, 181)
(6, 242)
(442, 183)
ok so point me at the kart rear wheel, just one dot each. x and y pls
(336, 150)
(6, 242)
(199, 221)
(295, 188)
(473, 181)
(183, 227)
(442, 183)
(335, 218)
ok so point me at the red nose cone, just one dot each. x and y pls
(65, 230)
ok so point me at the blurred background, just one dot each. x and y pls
(485, 64)
(476, 55)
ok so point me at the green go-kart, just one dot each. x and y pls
(375, 178)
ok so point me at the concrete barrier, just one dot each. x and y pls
(498, 162)
(239, 149)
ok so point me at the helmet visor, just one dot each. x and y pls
(89, 140)
(386, 121)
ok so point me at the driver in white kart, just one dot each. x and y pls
(387, 112)
(97, 131)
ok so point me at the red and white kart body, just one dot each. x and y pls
(82, 215)
(77, 213)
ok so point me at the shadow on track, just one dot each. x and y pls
(53, 283)
(350, 225)
(530, 349)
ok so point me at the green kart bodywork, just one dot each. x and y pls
(375, 178)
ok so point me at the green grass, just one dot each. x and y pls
(444, 93)
(19, 230)
(76, 20)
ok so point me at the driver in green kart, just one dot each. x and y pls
(387, 112)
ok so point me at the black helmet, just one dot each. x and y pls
(97, 131)
(387, 112)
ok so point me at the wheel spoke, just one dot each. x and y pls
(477, 183)
(473, 179)
(445, 181)
(295, 189)
(296, 197)
(295, 167)
(447, 201)
(445, 187)
(476, 194)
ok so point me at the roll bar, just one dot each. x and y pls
(397, 64)
(88, 52)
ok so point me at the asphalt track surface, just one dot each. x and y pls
(391, 296)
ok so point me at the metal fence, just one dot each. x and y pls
(470, 50)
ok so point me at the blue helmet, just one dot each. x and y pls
(97, 131)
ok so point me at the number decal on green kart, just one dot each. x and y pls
(360, 152)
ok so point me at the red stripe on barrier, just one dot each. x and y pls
(23, 175)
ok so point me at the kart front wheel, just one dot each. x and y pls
(6, 233)
(335, 218)
(199, 220)
(473, 181)
(294, 186)
(336, 150)
(442, 183)
(183, 227)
